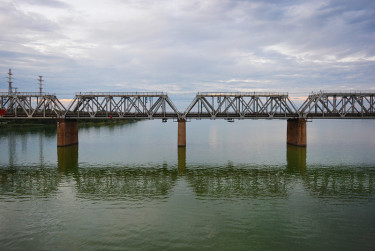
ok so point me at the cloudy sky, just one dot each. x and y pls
(185, 46)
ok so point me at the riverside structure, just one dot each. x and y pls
(207, 105)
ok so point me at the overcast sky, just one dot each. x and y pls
(186, 46)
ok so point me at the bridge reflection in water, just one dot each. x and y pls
(181, 157)
(28, 181)
(296, 158)
(67, 158)
(206, 181)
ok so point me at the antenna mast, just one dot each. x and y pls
(10, 81)
(40, 84)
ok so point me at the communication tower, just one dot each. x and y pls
(40, 84)
(10, 81)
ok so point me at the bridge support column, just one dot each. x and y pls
(181, 141)
(67, 132)
(296, 132)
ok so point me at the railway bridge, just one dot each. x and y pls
(229, 106)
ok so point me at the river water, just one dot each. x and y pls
(235, 186)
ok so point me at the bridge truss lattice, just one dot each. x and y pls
(339, 105)
(240, 105)
(30, 105)
(138, 105)
(207, 105)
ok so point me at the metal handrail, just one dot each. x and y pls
(32, 94)
(121, 93)
(242, 93)
(342, 92)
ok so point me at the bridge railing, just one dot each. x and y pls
(235, 94)
(344, 92)
(121, 94)
(28, 94)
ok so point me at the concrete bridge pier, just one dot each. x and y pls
(67, 132)
(181, 141)
(296, 132)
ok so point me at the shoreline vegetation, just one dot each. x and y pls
(40, 123)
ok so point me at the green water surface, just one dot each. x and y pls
(236, 186)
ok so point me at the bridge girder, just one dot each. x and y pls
(30, 105)
(239, 105)
(339, 105)
(122, 105)
(157, 105)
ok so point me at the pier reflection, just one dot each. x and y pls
(211, 181)
(296, 158)
(181, 158)
(67, 158)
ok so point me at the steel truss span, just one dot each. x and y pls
(349, 105)
(241, 106)
(206, 105)
(136, 105)
(30, 105)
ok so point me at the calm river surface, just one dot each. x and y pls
(236, 186)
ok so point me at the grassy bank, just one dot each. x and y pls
(47, 123)
(31, 123)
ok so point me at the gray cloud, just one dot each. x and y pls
(189, 46)
(49, 3)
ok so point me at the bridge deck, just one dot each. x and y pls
(206, 105)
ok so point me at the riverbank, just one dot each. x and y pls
(39, 123)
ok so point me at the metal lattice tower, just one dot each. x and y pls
(10, 81)
(40, 84)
